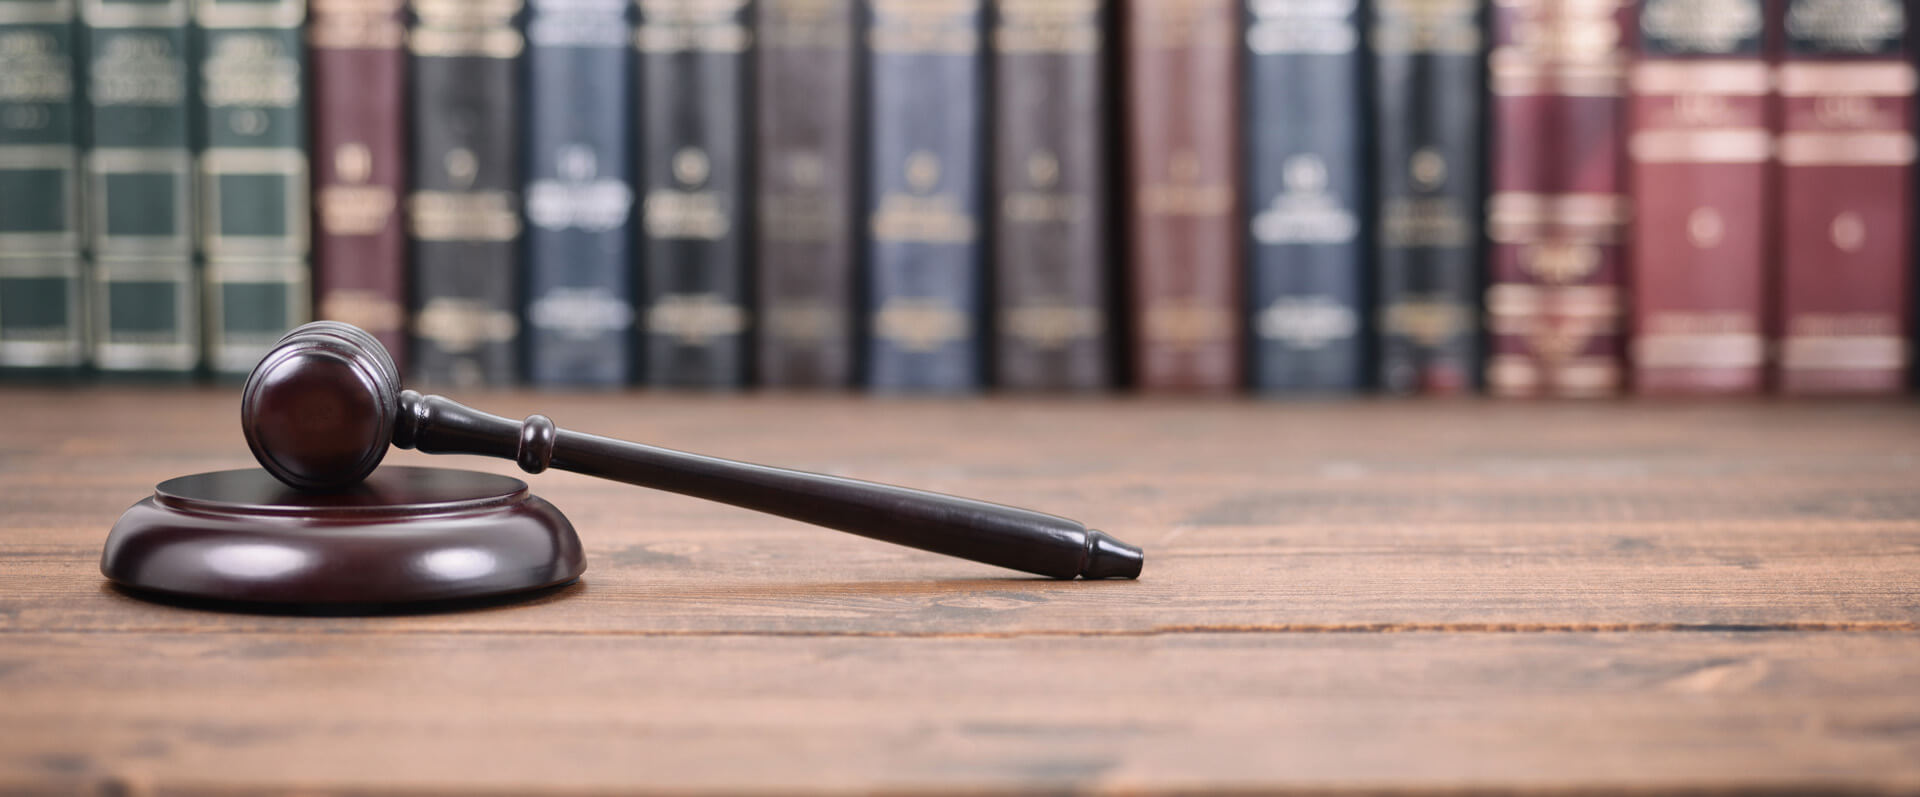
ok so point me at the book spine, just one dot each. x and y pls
(1181, 119)
(1305, 177)
(693, 59)
(41, 326)
(1050, 187)
(1845, 150)
(806, 187)
(143, 289)
(357, 91)
(464, 210)
(1698, 150)
(1427, 121)
(579, 194)
(253, 213)
(925, 172)
(1557, 213)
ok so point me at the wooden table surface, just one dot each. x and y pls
(1369, 596)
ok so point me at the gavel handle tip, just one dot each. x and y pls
(1111, 558)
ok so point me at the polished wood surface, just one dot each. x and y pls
(1368, 596)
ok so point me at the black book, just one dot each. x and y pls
(464, 210)
(1427, 125)
(693, 245)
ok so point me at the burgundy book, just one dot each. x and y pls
(1181, 120)
(1699, 150)
(1845, 151)
(358, 107)
(1557, 214)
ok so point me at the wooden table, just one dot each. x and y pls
(1374, 595)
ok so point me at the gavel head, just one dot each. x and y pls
(319, 409)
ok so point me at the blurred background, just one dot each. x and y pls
(1325, 197)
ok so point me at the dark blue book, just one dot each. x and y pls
(579, 197)
(924, 187)
(693, 64)
(1427, 100)
(1305, 179)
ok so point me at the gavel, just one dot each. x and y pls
(321, 408)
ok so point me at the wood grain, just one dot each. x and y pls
(505, 712)
(1600, 596)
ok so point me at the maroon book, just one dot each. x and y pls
(358, 106)
(1846, 152)
(1557, 213)
(1699, 151)
(1183, 158)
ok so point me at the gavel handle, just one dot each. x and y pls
(1005, 536)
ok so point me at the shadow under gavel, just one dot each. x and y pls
(321, 408)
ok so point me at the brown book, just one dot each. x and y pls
(359, 142)
(1699, 148)
(1181, 121)
(1557, 215)
(1846, 151)
(805, 188)
(1050, 195)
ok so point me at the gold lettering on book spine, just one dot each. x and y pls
(136, 69)
(32, 69)
(920, 324)
(1048, 26)
(710, 26)
(1702, 26)
(1426, 26)
(356, 25)
(805, 24)
(252, 70)
(453, 28)
(925, 26)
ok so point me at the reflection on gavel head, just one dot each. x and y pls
(319, 409)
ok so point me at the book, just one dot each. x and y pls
(579, 195)
(143, 288)
(1698, 150)
(693, 65)
(357, 90)
(1181, 119)
(806, 192)
(41, 326)
(1306, 173)
(1050, 184)
(1557, 212)
(251, 150)
(925, 186)
(1845, 148)
(463, 213)
(1427, 169)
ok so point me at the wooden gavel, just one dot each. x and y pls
(320, 409)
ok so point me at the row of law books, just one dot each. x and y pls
(1537, 197)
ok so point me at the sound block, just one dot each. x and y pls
(403, 536)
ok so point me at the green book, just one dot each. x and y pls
(251, 125)
(143, 291)
(40, 316)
